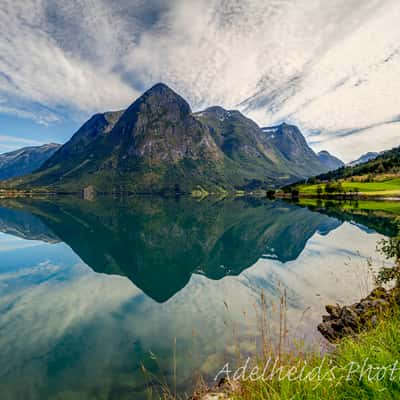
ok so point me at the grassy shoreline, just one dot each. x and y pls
(366, 367)
(365, 188)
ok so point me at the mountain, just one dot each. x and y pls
(158, 145)
(364, 158)
(329, 160)
(24, 225)
(386, 162)
(247, 151)
(26, 160)
(293, 146)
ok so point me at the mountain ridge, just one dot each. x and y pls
(159, 145)
(371, 155)
(25, 160)
(293, 145)
(386, 162)
(330, 160)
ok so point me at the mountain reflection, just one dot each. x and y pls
(159, 243)
(69, 332)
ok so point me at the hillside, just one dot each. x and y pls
(364, 158)
(377, 178)
(294, 148)
(158, 145)
(386, 162)
(26, 160)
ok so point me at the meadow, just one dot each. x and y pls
(386, 188)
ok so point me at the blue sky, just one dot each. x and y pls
(17, 132)
(330, 67)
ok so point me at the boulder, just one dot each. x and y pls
(350, 320)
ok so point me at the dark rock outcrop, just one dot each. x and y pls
(350, 320)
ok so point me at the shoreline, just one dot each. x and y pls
(350, 329)
(342, 197)
(4, 194)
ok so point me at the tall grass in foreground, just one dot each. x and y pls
(366, 367)
(362, 367)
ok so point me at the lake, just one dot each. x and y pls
(98, 298)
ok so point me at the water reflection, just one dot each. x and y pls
(158, 244)
(70, 332)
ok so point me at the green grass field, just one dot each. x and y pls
(390, 187)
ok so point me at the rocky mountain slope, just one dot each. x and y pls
(25, 160)
(364, 158)
(294, 148)
(329, 160)
(158, 145)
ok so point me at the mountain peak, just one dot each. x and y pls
(163, 91)
(286, 132)
(157, 144)
(26, 160)
(293, 146)
(329, 160)
(215, 109)
(159, 99)
(159, 128)
(364, 158)
(160, 86)
(218, 112)
(282, 128)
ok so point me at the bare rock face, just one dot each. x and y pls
(159, 127)
(350, 320)
(294, 148)
(153, 145)
(158, 145)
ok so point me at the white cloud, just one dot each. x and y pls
(34, 67)
(41, 118)
(378, 138)
(353, 85)
(329, 66)
(10, 143)
(19, 140)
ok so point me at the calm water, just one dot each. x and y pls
(89, 291)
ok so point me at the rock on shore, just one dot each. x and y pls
(350, 320)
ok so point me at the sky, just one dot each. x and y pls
(330, 67)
